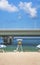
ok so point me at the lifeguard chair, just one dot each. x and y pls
(19, 45)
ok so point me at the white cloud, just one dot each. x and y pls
(27, 7)
(4, 5)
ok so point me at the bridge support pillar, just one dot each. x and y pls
(7, 40)
(10, 40)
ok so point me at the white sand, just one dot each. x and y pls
(20, 58)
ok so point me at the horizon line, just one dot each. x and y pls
(19, 28)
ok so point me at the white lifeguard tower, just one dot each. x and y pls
(19, 45)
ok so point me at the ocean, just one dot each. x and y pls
(28, 43)
(28, 40)
(25, 40)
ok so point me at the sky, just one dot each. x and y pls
(22, 14)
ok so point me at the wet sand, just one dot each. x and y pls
(20, 58)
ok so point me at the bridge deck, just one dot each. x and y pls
(19, 32)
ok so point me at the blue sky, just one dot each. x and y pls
(20, 14)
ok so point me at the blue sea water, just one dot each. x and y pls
(28, 40)
(25, 40)
(28, 43)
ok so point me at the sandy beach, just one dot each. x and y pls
(20, 58)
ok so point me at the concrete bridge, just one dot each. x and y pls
(19, 32)
(8, 35)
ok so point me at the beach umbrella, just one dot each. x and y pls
(19, 39)
(2, 46)
(38, 46)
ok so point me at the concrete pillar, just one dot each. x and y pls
(10, 40)
(5, 40)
